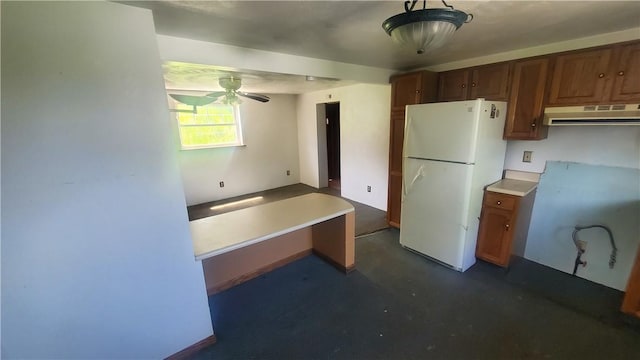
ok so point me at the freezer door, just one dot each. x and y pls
(435, 205)
(442, 131)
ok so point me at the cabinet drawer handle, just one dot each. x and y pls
(621, 73)
(499, 202)
(464, 86)
(506, 227)
(533, 125)
(601, 75)
(417, 91)
(473, 84)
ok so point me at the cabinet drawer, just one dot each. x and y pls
(500, 201)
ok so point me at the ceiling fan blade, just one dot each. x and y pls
(192, 100)
(254, 96)
(216, 94)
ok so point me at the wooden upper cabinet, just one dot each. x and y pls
(524, 108)
(453, 85)
(405, 90)
(626, 74)
(412, 88)
(490, 82)
(581, 78)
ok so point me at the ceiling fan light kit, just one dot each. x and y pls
(425, 29)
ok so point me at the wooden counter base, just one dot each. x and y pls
(322, 224)
(224, 271)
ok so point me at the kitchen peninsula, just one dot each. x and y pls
(240, 245)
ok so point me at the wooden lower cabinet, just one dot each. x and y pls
(631, 302)
(504, 224)
(494, 238)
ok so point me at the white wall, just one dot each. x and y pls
(594, 180)
(271, 139)
(596, 145)
(202, 52)
(364, 140)
(573, 194)
(97, 260)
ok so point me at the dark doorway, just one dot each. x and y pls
(333, 144)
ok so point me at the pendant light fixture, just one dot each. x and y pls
(425, 29)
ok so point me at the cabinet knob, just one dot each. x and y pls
(499, 202)
(506, 227)
(601, 75)
(533, 125)
(473, 84)
(417, 91)
(621, 73)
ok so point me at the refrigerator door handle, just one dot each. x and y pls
(406, 189)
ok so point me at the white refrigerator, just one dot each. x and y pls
(451, 151)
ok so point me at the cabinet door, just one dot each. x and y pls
(626, 83)
(394, 195)
(631, 302)
(524, 109)
(581, 78)
(394, 200)
(494, 236)
(453, 85)
(491, 82)
(405, 90)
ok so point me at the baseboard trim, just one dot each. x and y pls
(254, 274)
(191, 350)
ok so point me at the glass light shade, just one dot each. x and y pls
(425, 29)
(423, 35)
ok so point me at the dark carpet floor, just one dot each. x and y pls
(398, 305)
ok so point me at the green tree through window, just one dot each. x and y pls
(213, 125)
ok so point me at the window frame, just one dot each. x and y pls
(237, 124)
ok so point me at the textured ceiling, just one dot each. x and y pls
(351, 32)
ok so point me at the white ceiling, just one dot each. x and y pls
(351, 32)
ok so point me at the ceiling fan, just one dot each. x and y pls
(229, 95)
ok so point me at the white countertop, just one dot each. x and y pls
(513, 187)
(222, 233)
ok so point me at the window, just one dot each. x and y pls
(213, 125)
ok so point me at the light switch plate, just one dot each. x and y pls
(526, 157)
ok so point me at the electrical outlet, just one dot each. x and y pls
(526, 157)
(288, 172)
(221, 184)
(368, 188)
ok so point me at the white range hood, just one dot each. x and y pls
(619, 114)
